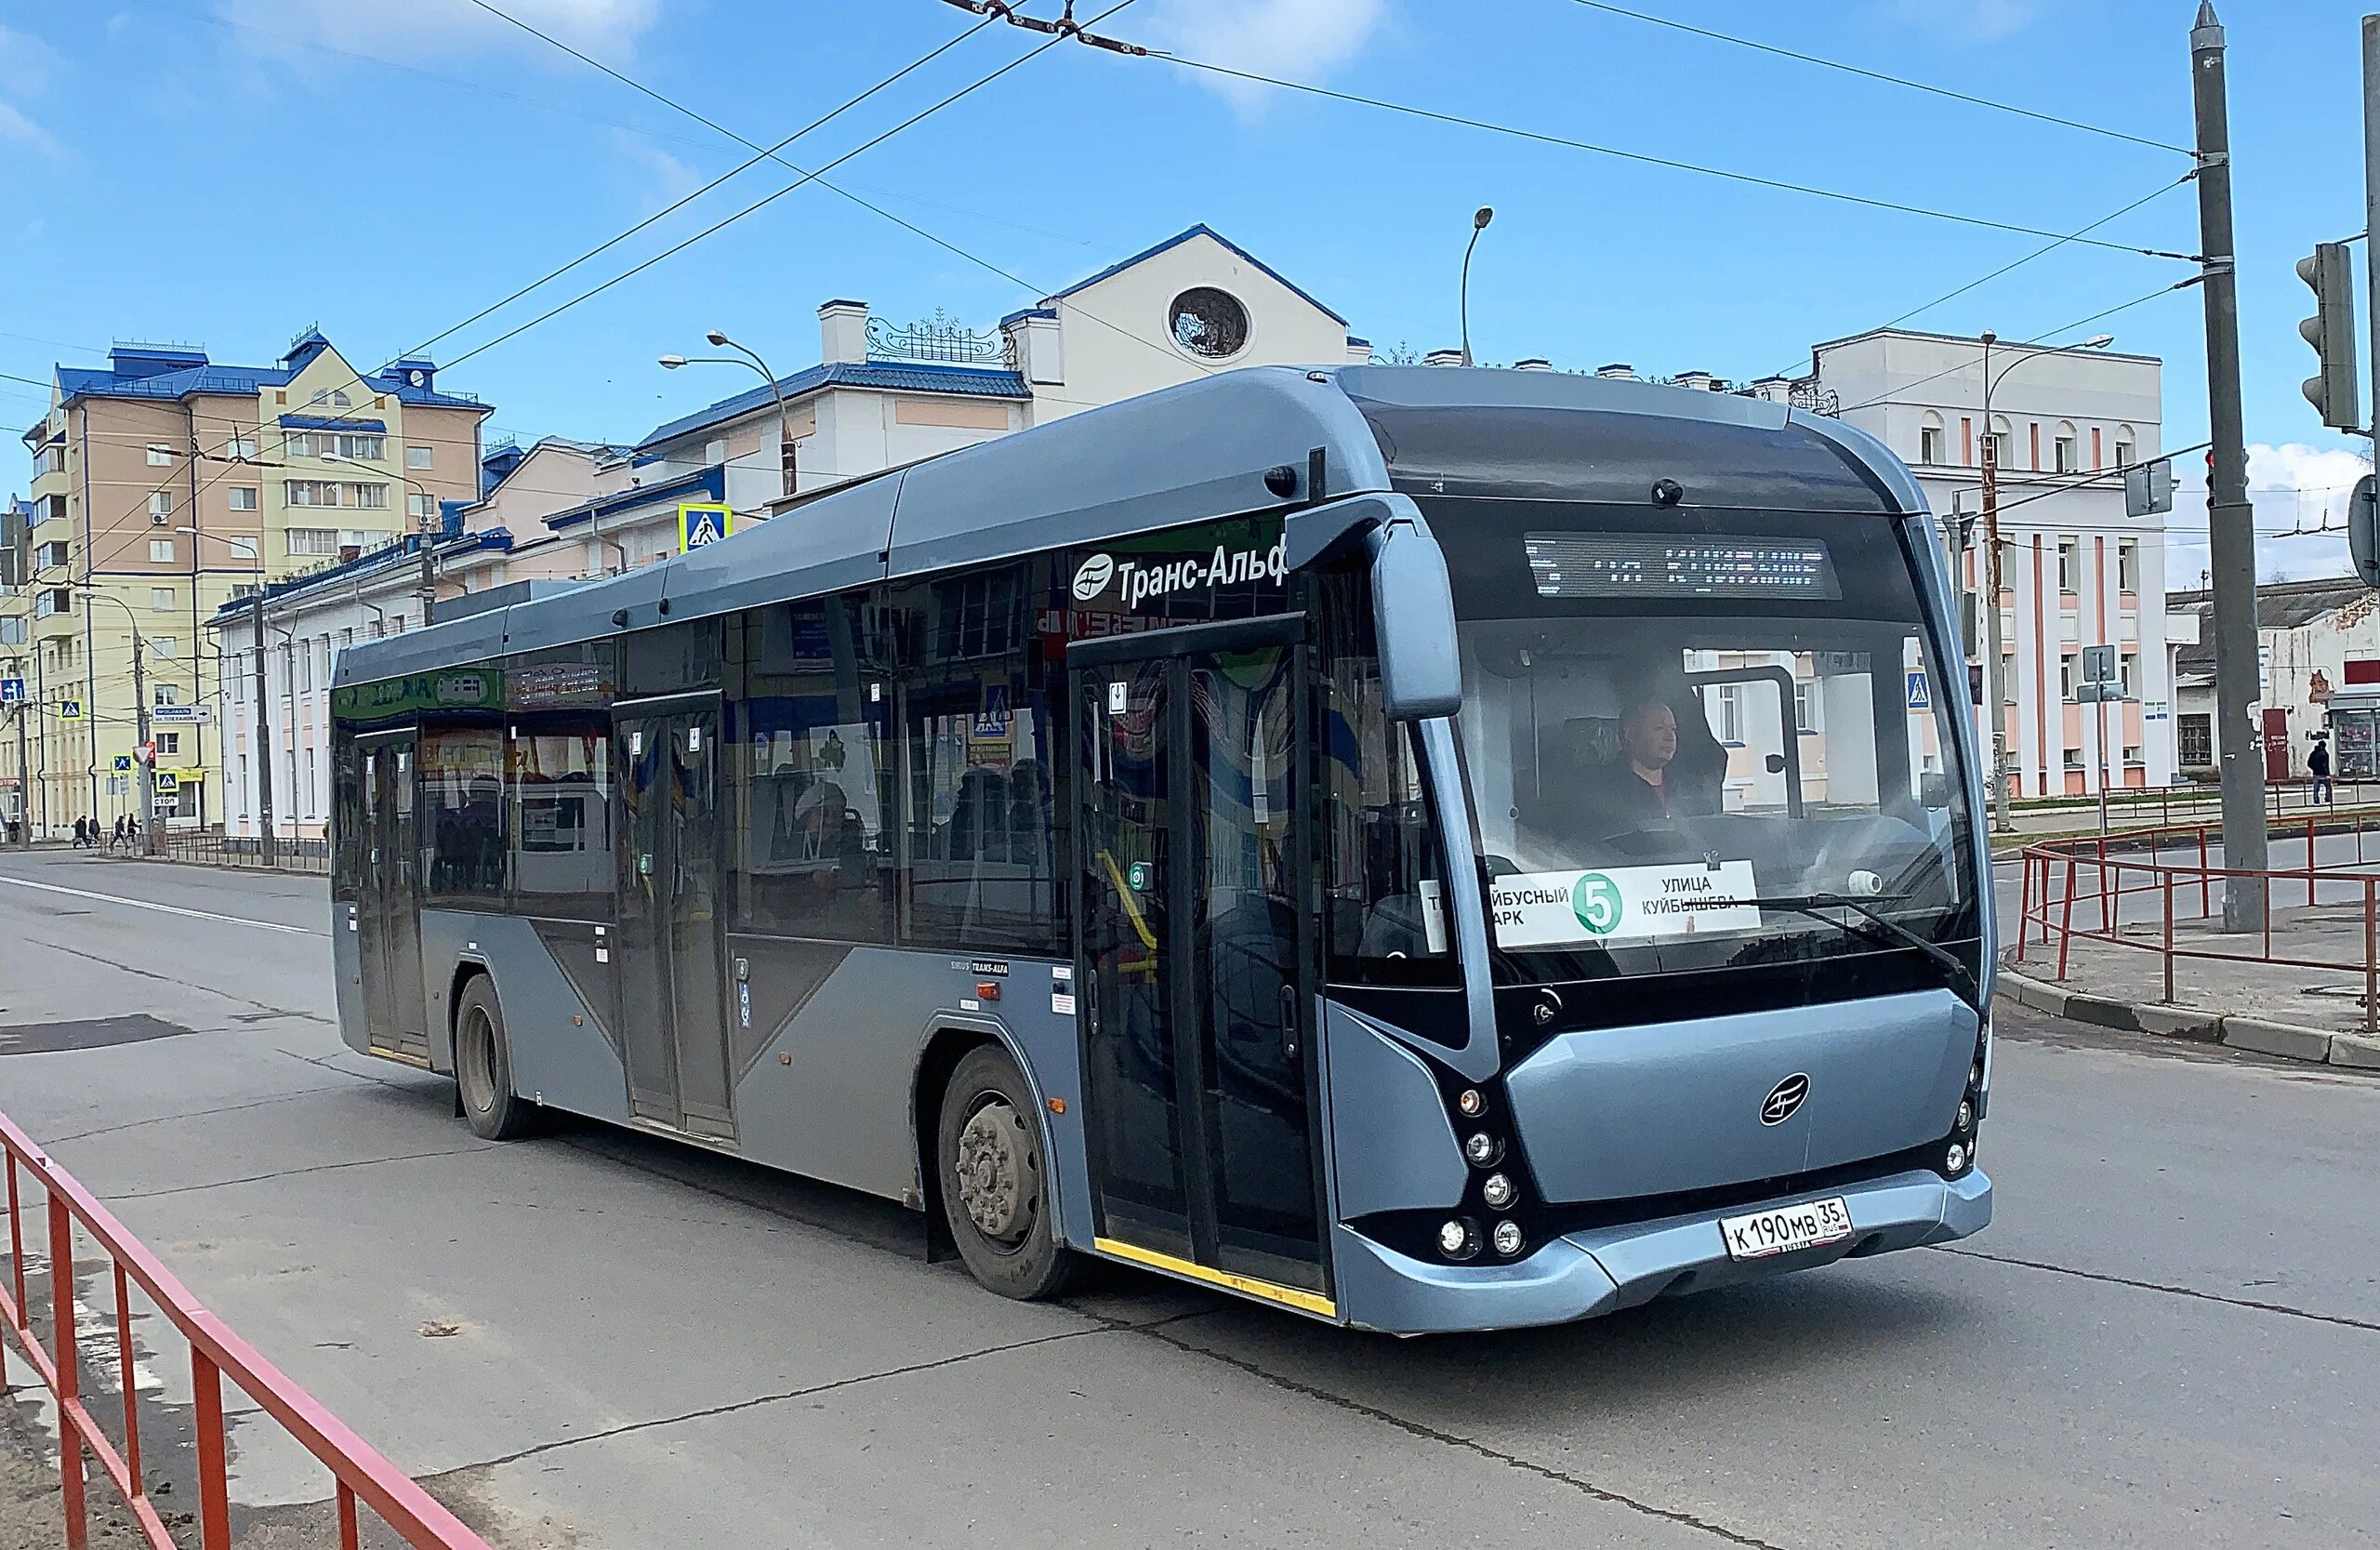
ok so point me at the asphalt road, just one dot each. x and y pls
(2171, 1335)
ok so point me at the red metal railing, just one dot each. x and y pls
(2100, 872)
(358, 1474)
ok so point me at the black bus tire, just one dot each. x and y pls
(999, 1207)
(484, 1065)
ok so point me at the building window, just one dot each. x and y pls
(2070, 671)
(161, 551)
(370, 449)
(244, 549)
(2068, 450)
(160, 456)
(2197, 736)
(2127, 669)
(160, 505)
(420, 457)
(2128, 565)
(2123, 446)
(2069, 564)
(241, 448)
(368, 497)
(1805, 705)
(313, 541)
(2008, 678)
(1208, 323)
(166, 647)
(169, 744)
(339, 400)
(2131, 753)
(311, 491)
(420, 505)
(1726, 707)
(2073, 759)
(1932, 440)
(1998, 443)
(161, 600)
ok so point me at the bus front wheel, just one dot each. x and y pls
(995, 1180)
(484, 1065)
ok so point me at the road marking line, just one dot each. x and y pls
(163, 908)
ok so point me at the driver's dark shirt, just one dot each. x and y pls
(1626, 801)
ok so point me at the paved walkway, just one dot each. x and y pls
(2312, 1008)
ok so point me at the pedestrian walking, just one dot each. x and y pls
(2317, 764)
(116, 842)
(82, 833)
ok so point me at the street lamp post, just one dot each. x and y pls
(142, 756)
(745, 356)
(1996, 712)
(263, 738)
(1479, 219)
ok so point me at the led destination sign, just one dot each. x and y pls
(1601, 565)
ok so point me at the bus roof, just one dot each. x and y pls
(1201, 450)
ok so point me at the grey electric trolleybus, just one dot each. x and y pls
(1434, 848)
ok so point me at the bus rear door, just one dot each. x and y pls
(1193, 892)
(388, 901)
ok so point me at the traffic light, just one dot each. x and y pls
(2364, 529)
(2331, 333)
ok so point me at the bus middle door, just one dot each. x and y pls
(1193, 863)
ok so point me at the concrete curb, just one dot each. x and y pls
(2257, 1035)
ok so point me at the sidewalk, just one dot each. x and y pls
(2315, 1014)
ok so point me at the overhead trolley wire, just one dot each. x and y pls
(1880, 76)
(2038, 341)
(1647, 159)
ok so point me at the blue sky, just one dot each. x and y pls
(227, 171)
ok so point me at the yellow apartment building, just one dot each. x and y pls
(163, 484)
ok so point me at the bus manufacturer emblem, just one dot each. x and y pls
(1783, 1099)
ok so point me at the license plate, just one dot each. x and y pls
(1781, 1231)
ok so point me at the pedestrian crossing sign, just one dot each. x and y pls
(122, 762)
(70, 710)
(702, 522)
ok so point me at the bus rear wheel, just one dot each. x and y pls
(484, 1065)
(995, 1180)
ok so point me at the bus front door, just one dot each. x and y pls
(1197, 941)
(390, 907)
(673, 1026)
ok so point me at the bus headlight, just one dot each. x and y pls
(1966, 1116)
(1498, 1191)
(1474, 1103)
(1457, 1241)
(1483, 1149)
(1956, 1157)
(1508, 1239)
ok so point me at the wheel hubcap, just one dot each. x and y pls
(991, 1166)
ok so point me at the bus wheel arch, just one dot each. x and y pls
(974, 1100)
(482, 1059)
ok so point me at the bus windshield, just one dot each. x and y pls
(1671, 715)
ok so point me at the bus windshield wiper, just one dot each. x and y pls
(1813, 903)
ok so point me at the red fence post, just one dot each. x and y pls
(2205, 894)
(347, 1536)
(2167, 875)
(124, 1379)
(2106, 922)
(2065, 916)
(69, 1362)
(213, 1483)
(2370, 964)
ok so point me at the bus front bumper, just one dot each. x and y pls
(1584, 1275)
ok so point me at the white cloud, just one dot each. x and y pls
(27, 65)
(1969, 21)
(1315, 36)
(2292, 486)
(447, 29)
(661, 179)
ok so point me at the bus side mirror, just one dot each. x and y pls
(1421, 675)
(2364, 529)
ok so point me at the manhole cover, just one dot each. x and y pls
(91, 1033)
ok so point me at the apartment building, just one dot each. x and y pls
(163, 483)
(2075, 569)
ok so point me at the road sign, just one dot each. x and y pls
(1921, 696)
(180, 715)
(145, 753)
(2149, 488)
(992, 721)
(12, 691)
(70, 710)
(122, 762)
(2098, 664)
(702, 523)
(167, 785)
(119, 786)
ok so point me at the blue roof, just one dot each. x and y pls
(710, 481)
(1201, 230)
(1023, 313)
(315, 422)
(205, 376)
(897, 376)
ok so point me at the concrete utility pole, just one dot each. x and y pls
(1995, 694)
(147, 758)
(2231, 536)
(24, 783)
(2372, 194)
(263, 738)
